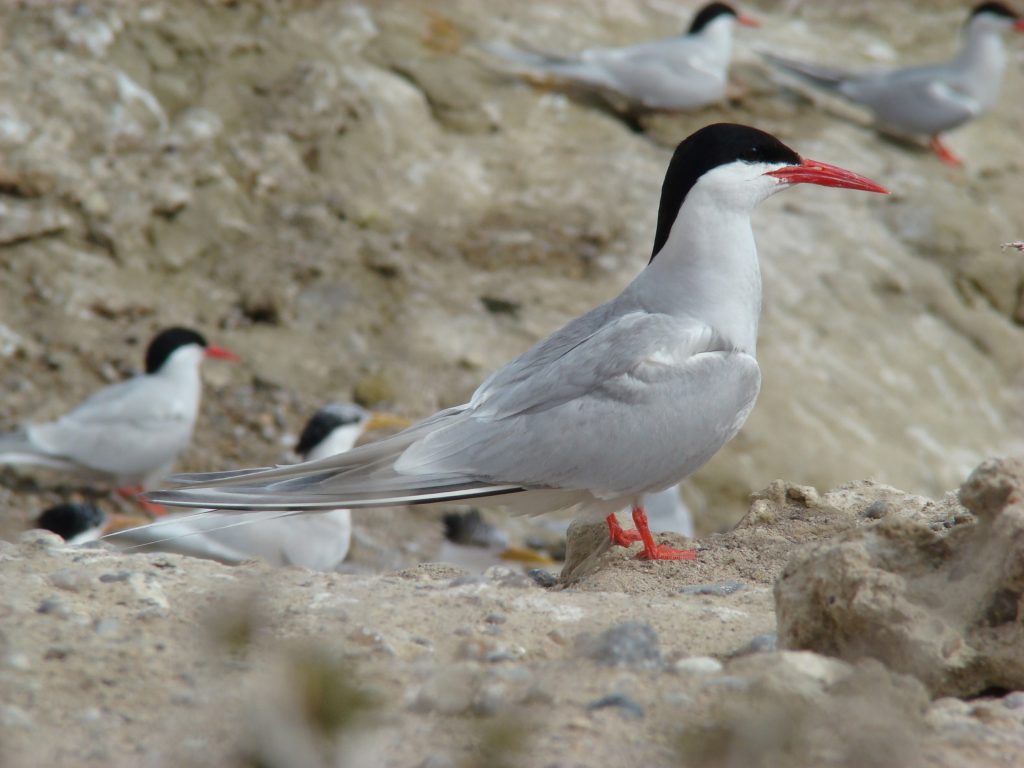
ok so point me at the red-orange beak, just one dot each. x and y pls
(747, 21)
(222, 353)
(825, 175)
(1019, 25)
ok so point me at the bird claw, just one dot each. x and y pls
(665, 552)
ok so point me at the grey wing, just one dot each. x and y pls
(822, 76)
(640, 404)
(925, 100)
(128, 428)
(671, 73)
(534, 424)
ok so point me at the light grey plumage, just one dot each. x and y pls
(127, 432)
(627, 399)
(929, 99)
(319, 542)
(680, 72)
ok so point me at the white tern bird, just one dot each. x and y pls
(319, 542)
(675, 73)
(130, 432)
(926, 100)
(625, 400)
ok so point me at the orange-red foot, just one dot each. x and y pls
(619, 536)
(132, 492)
(945, 154)
(654, 551)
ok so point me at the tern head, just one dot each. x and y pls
(75, 522)
(181, 344)
(994, 17)
(336, 427)
(720, 13)
(732, 168)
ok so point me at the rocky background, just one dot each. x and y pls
(359, 202)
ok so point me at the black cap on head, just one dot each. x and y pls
(325, 421)
(165, 343)
(707, 14)
(70, 519)
(708, 148)
(996, 9)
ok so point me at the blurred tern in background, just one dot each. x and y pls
(75, 521)
(319, 542)
(628, 399)
(931, 99)
(675, 73)
(129, 433)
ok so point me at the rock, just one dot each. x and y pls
(943, 606)
(629, 707)
(697, 665)
(720, 590)
(628, 644)
(542, 578)
(803, 709)
(765, 643)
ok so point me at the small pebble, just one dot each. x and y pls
(719, 590)
(877, 510)
(765, 643)
(67, 579)
(107, 578)
(17, 661)
(107, 626)
(90, 715)
(698, 665)
(38, 539)
(57, 653)
(495, 618)
(1014, 700)
(491, 699)
(15, 717)
(542, 578)
(630, 643)
(505, 654)
(53, 607)
(629, 707)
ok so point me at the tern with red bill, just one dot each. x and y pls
(129, 433)
(675, 73)
(926, 100)
(627, 399)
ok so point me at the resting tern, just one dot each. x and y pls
(130, 432)
(930, 99)
(625, 400)
(676, 73)
(318, 542)
(76, 521)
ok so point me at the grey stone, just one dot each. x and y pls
(629, 707)
(720, 590)
(631, 643)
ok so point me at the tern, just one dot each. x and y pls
(627, 399)
(77, 522)
(926, 100)
(318, 542)
(675, 73)
(129, 433)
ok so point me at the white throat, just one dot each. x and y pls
(982, 52)
(708, 267)
(341, 439)
(716, 38)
